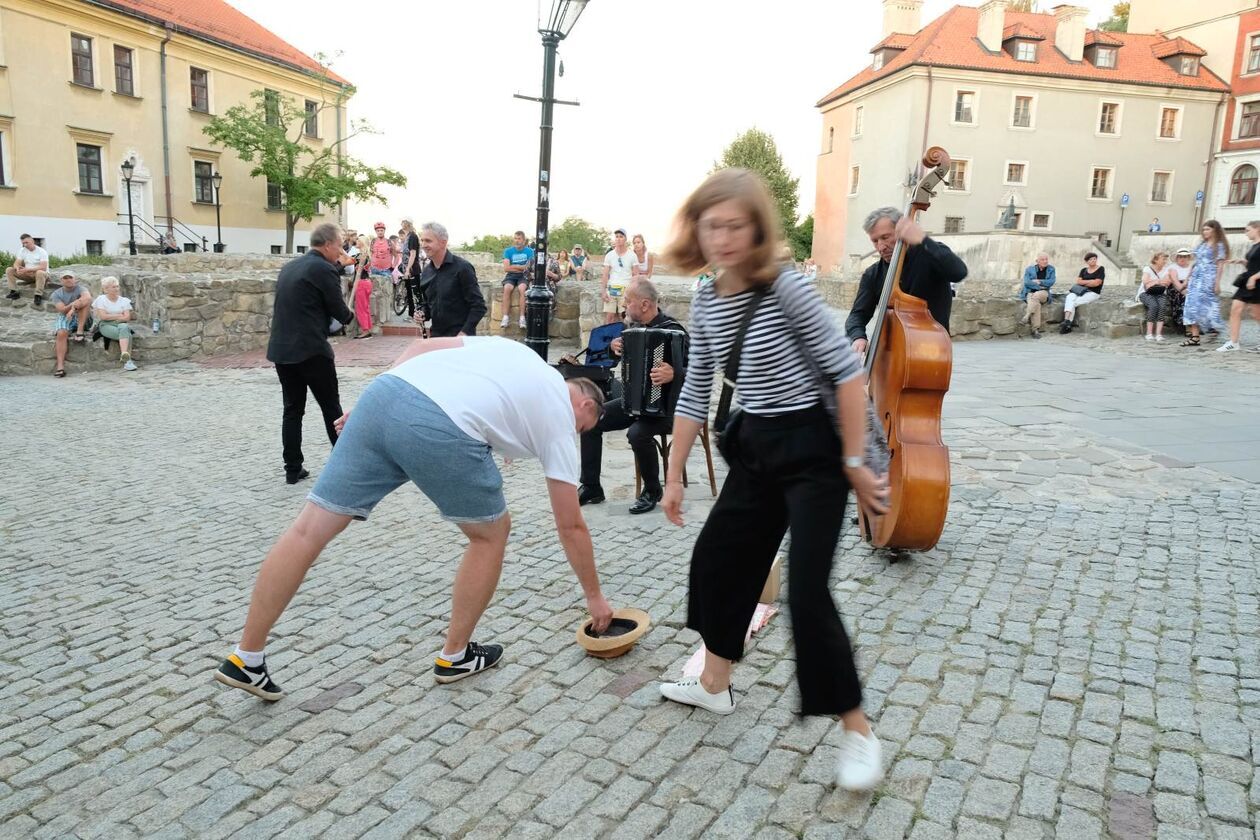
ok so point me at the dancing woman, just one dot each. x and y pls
(794, 465)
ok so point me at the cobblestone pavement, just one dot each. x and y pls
(1078, 658)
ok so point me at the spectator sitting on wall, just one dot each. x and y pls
(74, 314)
(169, 243)
(1088, 288)
(32, 265)
(1154, 226)
(1038, 278)
(579, 262)
(113, 312)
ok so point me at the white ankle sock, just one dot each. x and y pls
(252, 659)
(454, 657)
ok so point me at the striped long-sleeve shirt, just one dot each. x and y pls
(774, 378)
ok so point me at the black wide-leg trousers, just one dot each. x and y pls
(788, 473)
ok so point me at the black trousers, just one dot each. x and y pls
(788, 474)
(318, 373)
(642, 430)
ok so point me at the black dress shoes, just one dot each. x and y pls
(294, 478)
(590, 495)
(646, 502)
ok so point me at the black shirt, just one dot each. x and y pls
(413, 247)
(929, 269)
(454, 296)
(308, 297)
(1097, 274)
(1042, 272)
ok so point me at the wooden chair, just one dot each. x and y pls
(663, 443)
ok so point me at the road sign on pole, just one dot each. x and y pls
(1124, 200)
(1198, 198)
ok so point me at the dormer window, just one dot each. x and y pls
(1189, 65)
(1105, 57)
(1025, 51)
(878, 61)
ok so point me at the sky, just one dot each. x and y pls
(664, 86)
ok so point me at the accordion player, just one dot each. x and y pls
(643, 348)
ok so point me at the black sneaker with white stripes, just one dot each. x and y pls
(476, 658)
(256, 681)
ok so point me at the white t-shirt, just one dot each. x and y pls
(113, 307)
(502, 393)
(1182, 271)
(619, 275)
(32, 259)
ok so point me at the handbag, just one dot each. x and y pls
(1078, 289)
(727, 421)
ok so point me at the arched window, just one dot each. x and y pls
(1242, 185)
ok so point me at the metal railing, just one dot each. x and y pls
(183, 230)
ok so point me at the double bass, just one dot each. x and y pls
(909, 361)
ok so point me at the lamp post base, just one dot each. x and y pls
(538, 319)
(218, 247)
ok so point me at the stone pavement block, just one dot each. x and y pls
(1177, 772)
(889, 819)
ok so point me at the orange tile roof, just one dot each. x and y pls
(950, 41)
(895, 41)
(1176, 46)
(218, 22)
(1018, 30)
(1097, 36)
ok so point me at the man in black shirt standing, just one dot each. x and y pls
(308, 299)
(456, 305)
(930, 267)
(642, 308)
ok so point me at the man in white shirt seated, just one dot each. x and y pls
(31, 265)
(434, 419)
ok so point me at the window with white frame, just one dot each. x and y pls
(1105, 57)
(954, 224)
(1016, 173)
(877, 61)
(959, 176)
(1022, 111)
(1169, 123)
(855, 179)
(1249, 120)
(4, 154)
(1253, 54)
(1242, 185)
(1109, 118)
(203, 182)
(1161, 187)
(1042, 221)
(311, 126)
(1189, 65)
(1025, 51)
(965, 107)
(81, 60)
(199, 86)
(91, 178)
(1100, 182)
(858, 113)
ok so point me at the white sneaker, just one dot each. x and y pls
(130, 365)
(1227, 347)
(1159, 338)
(689, 691)
(506, 320)
(522, 322)
(1150, 337)
(861, 762)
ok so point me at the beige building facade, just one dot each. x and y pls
(1037, 112)
(85, 86)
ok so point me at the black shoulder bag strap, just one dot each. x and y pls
(732, 361)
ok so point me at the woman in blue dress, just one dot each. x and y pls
(1203, 305)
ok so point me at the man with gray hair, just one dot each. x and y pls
(930, 267)
(308, 299)
(449, 289)
(1035, 292)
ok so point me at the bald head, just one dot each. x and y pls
(642, 301)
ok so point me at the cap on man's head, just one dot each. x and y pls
(1184, 252)
(379, 226)
(622, 231)
(577, 248)
(67, 273)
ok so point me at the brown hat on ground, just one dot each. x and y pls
(627, 626)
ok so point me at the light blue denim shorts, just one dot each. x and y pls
(397, 434)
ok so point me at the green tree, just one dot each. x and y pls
(801, 238)
(1119, 20)
(269, 132)
(489, 243)
(755, 150)
(574, 231)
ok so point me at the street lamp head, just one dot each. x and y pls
(562, 18)
(217, 179)
(128, 166)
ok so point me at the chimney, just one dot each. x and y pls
(902, 16)
(1069, 31)
(992, 22)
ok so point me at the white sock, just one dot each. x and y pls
(252, 659)
(453, 657)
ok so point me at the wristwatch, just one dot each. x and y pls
(854, 462)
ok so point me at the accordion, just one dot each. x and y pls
(642, 349)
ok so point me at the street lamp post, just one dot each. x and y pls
(563, 16)
(217, 180)
(128, 166)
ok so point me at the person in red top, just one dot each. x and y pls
(380, 263)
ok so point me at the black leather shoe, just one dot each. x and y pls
(294, 478)
(590, 495)
(646, 502)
